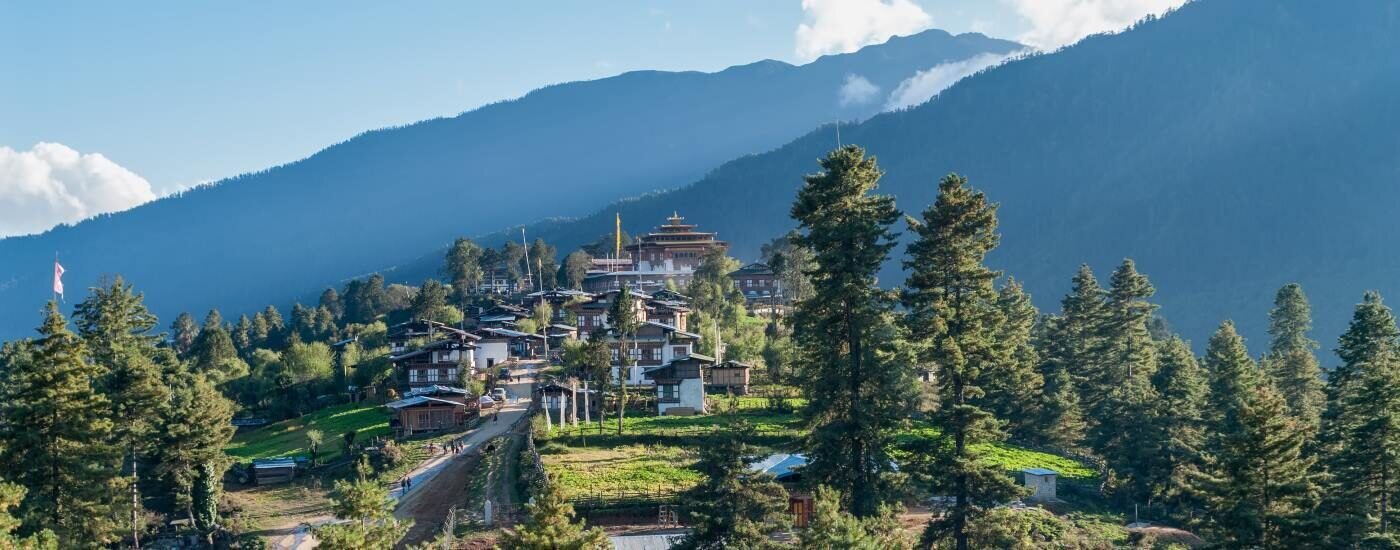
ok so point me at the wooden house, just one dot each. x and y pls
(427, 353)
(431, 409)
(680, 385)
(267, 471)
(730, 376)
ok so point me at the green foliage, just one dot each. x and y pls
(544, 262)
(1290, 361)
(1034, 528)
(957, 317)
(734, 507)
(854, 370)
(551, 526)
(831, 528)
(791, 263)
(189, 459)
(11, 496)
(213, 353)
(575, 268)
(370, 512)
(430, 302)
(55, 429)
(1361, 429)
(1256, 485)
(183, 332)
(288, 437)
(463, 269)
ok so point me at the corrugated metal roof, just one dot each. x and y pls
(1041, 472)
(781, 465)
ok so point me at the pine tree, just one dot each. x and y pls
(849, 365)
(115, 325)
(303, 322)
(1123, 416)
(183, 332)
(276, 328)
(330, 299)
(259, 332)
(372, 525)
(622, 319)
(192, 435)
(1255, 484)
(832, 529)
(550, 525)
(1013, 391)
(1181, 386)
(430, 301)
(954, 310)
(575, 268)
(242, 335)
(56, 431)
(11, 496)
(1290, 361)
(734, 507)
(1061, 423)
(213, 352)
(544, 263)
(1361, 428)
(1075, 342)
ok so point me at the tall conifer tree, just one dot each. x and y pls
(850, 355)
(1361, 429)
(1014, 390)
(1255, 484)
(954, 313)
(1123, 414)
(1290, 361)
(56, 428)
(734, 507)
(1181, 387)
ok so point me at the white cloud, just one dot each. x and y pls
(1056, 23)
(840, 26)
(857, 90)
(52, 184)
(927, 83)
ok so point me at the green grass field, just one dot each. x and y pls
(288, 437)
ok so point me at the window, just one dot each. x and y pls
(748, 283)
(634, 353)
(412, 376)
(432, 375)
(654, 354)
(614, 354)
(668, 392)
(451, 374)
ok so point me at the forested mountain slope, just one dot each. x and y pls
(1229, 147)
(391, 195)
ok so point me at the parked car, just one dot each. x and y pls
(504, 373)
(499, 394)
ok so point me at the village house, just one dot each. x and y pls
(761, 287)
(680, 385)
(655, 344)
(558, 300)
(499, 345)
(426, 353)
(502, 316)
(430, 409)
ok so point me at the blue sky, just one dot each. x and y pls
(177, 93)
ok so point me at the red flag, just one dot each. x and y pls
(57, 278)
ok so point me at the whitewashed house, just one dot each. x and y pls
(1042, 481)
(680, 385)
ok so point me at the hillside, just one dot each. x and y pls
(1229, 147)
(390, 195)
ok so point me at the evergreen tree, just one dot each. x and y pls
(712, 293)
(1180, 384)
(430, 301)
(258, 333)
(954, 310)
(1061, 424)
(734, 507)
(193, 433)
(463, 269)
(303, 322)
(858, 392)
(544, 263)
(1361, 429)
(330, 299)
(622, 317)
(11, 496)
(1124, 412)
(115, 326)
(56, 432)
(1290, 361)
(242, 335)
(791, 263)
(183, 332)
(277, 335)
(575, 268)
(832, 529)
(372, 525)
(1083, 314)
(550, 526)
(325, 323)
(213, 352)
(1255, 484)
(1013, 391)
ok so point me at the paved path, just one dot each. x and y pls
(424, 474)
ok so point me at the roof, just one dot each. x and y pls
(420, 400)
(700, 357)
(437, 389)
(509, 333)
(781, 465)
(433, 346)
(732, 365)
(645, 542)
(665, 326)
(1041, 472)
(271, 463)
(497, 318)
(562, 326)
(753, 269)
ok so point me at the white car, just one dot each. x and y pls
(499, 394)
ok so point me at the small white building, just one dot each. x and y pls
(680, 385)
(1042, 481)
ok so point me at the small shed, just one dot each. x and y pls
(1042, 481)
(422, 413)
(732, 376)
(267, 471)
